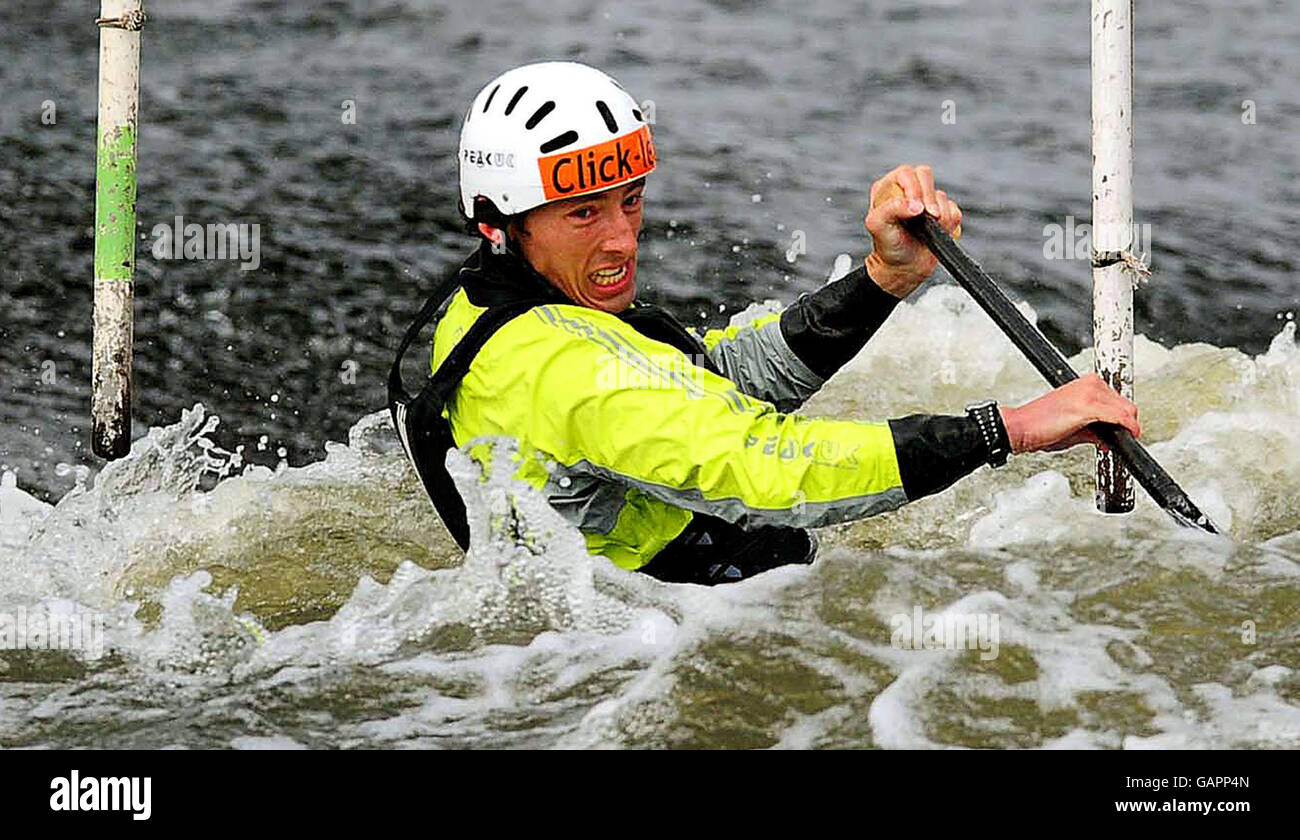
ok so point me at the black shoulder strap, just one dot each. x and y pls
(426, 435)
(424, 432)
(440, 294)
(456, 365)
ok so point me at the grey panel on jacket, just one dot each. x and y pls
(762, 365)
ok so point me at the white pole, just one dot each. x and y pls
(1112, 222)
(115, 192)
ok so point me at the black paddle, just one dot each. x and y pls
(1053, 366)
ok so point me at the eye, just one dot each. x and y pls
(632, 201)
(584, 213)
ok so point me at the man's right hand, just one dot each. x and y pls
(898, 263)
(1058, 419)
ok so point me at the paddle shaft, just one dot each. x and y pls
(1053, 366)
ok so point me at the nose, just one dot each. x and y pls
(620, 238)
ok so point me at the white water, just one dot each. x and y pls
(325, 605)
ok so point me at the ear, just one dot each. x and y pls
(494, 235)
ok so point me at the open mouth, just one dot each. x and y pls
(609, 276)
(610, 282)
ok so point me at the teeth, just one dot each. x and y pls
(610, 276)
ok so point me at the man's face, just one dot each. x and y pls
(586, 246)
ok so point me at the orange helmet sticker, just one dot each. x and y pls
(597, 167)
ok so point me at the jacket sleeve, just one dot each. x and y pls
(784, 358)
(830, 326)
(637, 411)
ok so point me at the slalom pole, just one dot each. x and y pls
(1113, 265)
(119, 24)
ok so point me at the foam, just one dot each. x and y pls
(325, 604)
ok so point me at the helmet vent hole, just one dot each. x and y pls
(488, 104)
(607, 117)
(638, 116)
(539, 115)
(559, 142)
(514, 100)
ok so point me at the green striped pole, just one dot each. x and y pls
(115, 189)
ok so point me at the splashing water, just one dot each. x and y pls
(327, 606)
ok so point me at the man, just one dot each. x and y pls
(673, 454)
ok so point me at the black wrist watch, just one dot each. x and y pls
(989, 419)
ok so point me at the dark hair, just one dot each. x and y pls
(485, 211)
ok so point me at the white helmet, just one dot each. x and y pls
(550, 131)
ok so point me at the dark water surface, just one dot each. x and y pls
(770, 118)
